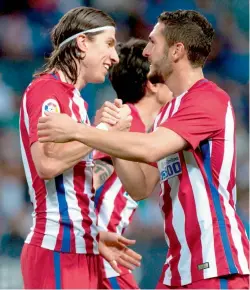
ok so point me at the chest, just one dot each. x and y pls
(76, 107)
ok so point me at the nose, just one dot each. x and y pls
(146, 51)
(114, 56)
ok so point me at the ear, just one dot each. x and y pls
(81, 41)
(178, 51)
(151, 87)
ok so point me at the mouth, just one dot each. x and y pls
(107, 66)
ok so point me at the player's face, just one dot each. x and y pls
(157, 53)
(100, 56)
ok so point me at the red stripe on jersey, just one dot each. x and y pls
(191, 222)
(170, 232)
(83, 202)
(119, 205)
(38, 185)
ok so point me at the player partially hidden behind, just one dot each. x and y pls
(114, 206)
(194, 146)
(61, 250)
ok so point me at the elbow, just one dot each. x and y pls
(46, 171)
(137, 196)
(149, 154)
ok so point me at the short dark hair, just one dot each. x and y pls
(193, 30)
(73, 22)
(129, 76)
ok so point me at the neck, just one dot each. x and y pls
(183, 79)
(79, 84)
(148, 108)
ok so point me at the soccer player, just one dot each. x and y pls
(114, 206)
(61, 250)
(193, 145)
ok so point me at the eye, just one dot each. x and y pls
(110, 43)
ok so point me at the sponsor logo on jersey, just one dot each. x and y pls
(50, 106)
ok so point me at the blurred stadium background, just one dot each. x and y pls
(24, 41)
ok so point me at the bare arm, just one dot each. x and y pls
(132, 146)
(52, 159)
(138, 179)
(102, 171)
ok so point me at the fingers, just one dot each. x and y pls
(125, 241)
(113, 264)
(111, 112)
(108, 121)
(124, 263)
(132, 254)
(118, 103)
(42, 126)
(43, 119)
(110, 117)
(43, 133)
(111, 106)
(46, 139)
(134, 261)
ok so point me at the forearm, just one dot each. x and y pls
(126, 145)
(132, 177)
(66, 155)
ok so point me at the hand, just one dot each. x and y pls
(54, 127)
(113, 248)
(108, 113)
(115, 115)
(124, 123)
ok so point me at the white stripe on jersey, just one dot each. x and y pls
(78, 100)
(74, 210)
(184, 264)
(126, 213)
(73, 116)
(203, 214)
(177, 103)
(107, 208)
(224, 179)
(166, 114)
(27, 170)
(52, 216)
(88, 188)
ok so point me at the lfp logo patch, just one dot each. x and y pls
(50, 106)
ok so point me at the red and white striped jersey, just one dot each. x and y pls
(64, 216)
(205, 236)
(114, 206)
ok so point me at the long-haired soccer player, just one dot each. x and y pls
(61, 250)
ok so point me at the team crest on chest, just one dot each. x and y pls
(169, 167)
(50, 106)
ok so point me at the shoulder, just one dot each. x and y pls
(46, 88)
(46, 85)
(208, 96)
